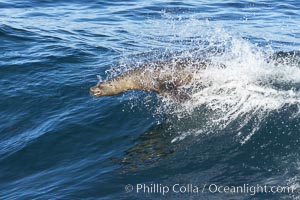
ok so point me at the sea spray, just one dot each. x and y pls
(239, 86)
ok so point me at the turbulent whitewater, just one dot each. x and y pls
(239, 125)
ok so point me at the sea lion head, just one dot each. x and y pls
(103, 89)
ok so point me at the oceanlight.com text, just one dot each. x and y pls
(156, 188)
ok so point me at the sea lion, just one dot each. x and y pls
(164, 78)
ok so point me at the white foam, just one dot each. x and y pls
(250, 86)
(245, 88)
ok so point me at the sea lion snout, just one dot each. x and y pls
(95, 91)
(103, 89)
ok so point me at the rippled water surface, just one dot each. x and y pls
(240, 125)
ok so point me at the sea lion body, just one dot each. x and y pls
(163, 78)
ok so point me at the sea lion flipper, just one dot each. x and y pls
(166, 86)
(169, 89)
(180, 95)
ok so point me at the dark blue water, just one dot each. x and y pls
(58, 142)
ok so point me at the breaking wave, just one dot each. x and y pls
(240, 86)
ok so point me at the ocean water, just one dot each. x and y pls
(239, 128)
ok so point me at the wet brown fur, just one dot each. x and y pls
(160, 77)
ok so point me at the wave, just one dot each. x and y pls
(248, 88)
(242, 83)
